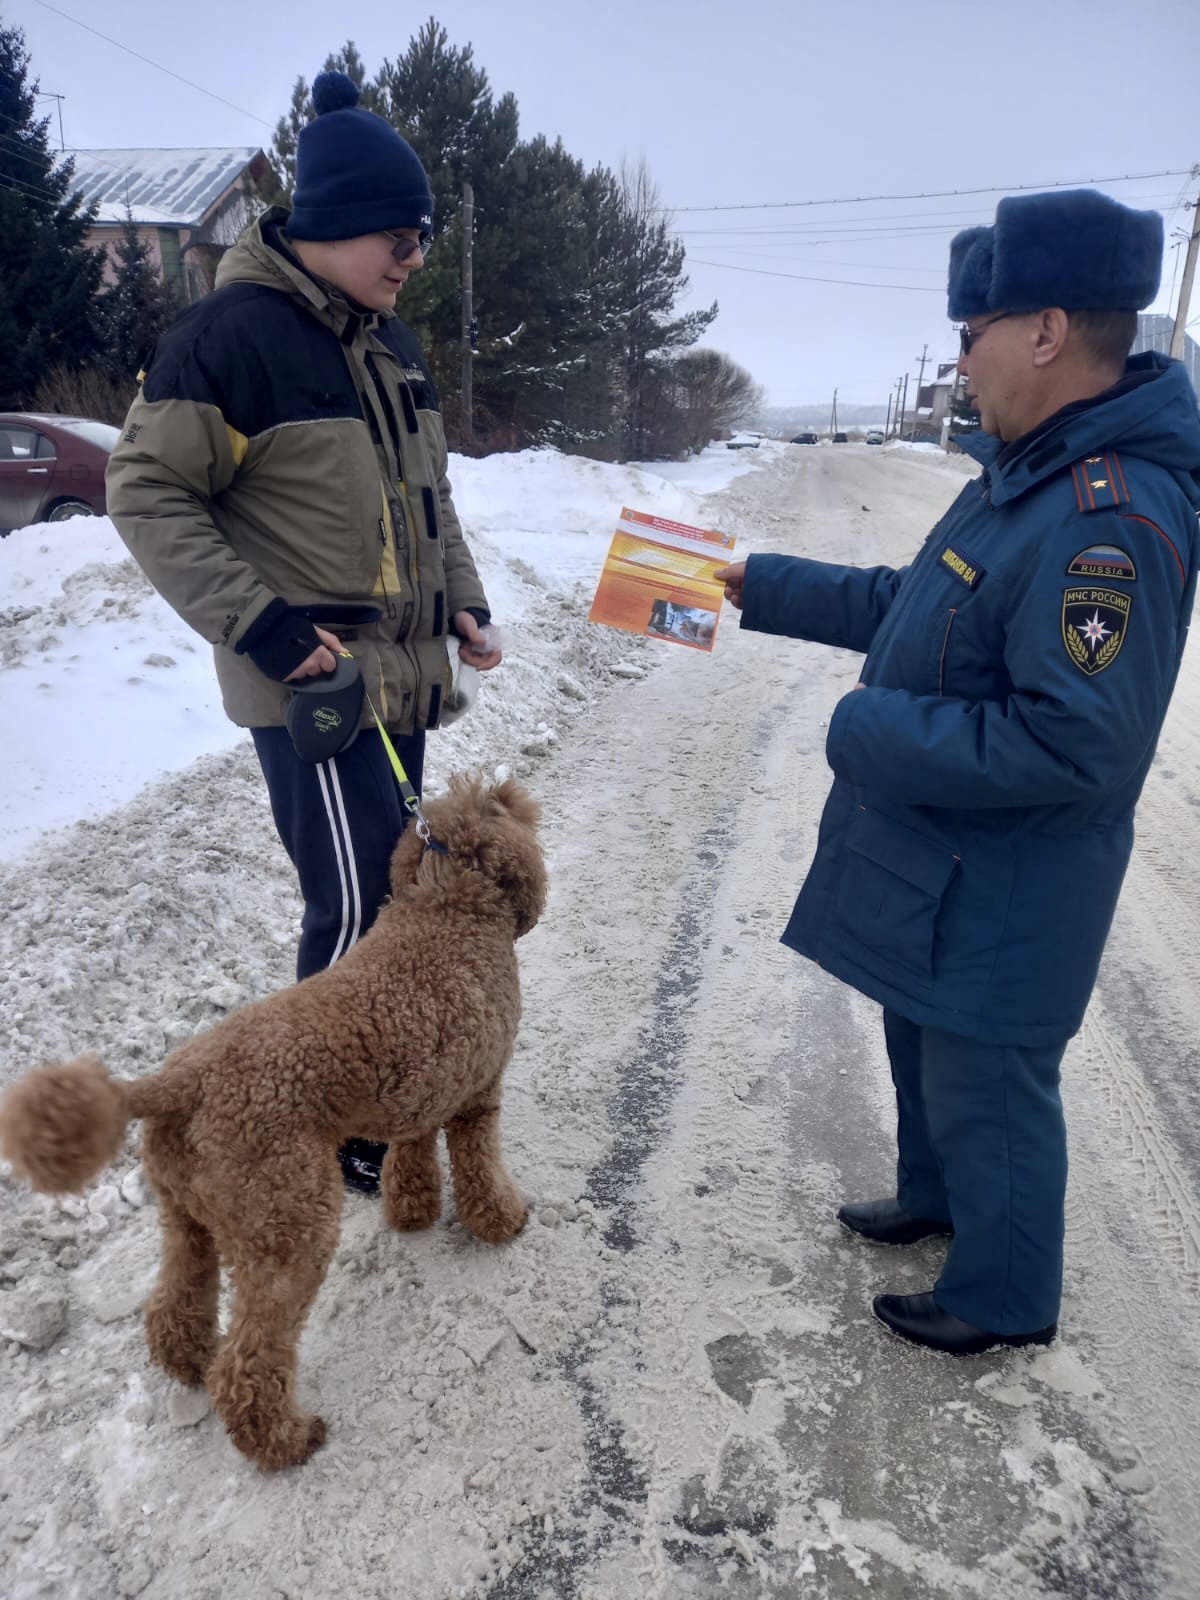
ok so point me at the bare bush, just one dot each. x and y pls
(84, 392)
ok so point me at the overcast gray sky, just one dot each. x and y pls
(732, 105)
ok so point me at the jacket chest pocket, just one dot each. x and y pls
(891, 892)
(914, 651)
(947, 642)
(966, 645)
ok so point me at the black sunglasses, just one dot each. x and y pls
(967, 336)
(405, 248)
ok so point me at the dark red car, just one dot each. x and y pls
(51, 467)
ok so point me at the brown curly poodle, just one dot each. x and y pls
(408, 1033)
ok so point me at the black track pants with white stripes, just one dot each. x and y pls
(339, 821)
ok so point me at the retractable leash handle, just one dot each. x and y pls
(324, 711)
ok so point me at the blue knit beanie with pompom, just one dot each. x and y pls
(354, 173)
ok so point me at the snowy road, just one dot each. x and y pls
(670, 1385)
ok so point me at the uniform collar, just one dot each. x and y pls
(1137, 413)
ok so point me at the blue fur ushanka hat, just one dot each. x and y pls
(1074, 248)
(354, 173)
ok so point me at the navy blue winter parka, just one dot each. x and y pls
(1017, 674)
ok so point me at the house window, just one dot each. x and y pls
(172, 260)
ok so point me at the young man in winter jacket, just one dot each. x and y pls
(987, 766)
(281, 479)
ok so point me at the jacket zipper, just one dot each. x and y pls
(385, 403)
(945, 645)
(392, 507)
(389, 605)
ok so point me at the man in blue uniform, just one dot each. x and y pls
(987, 766)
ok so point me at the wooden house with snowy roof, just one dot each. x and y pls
(189, 206)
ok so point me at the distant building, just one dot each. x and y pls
(933, 399)
(189, 206)
(1154, 333)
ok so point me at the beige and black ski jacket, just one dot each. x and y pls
(286, 449)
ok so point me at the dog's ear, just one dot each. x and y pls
(513, 856)
(522, 881)
(406, 860)
(518, 802)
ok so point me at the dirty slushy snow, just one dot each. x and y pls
(670, 1384)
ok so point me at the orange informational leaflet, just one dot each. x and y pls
(658, 580)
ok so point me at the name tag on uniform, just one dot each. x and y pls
(963, 567)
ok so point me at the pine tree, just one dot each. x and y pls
(576, 274)
(135, 309)
(287, 132)
(442, 103)
(534, 264)
(48, 275)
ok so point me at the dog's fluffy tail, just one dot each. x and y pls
(65, 1121)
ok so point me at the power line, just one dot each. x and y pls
(157, 65)
(866, 266)
(13, 147)
(927, 194)
(801, 277)
(947, 219)
(33, 191)
(1180, 196)
(9, 185)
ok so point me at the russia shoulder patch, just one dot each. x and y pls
(1104, 561)
(1094, 625)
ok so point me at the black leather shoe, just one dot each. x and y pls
(883, 1222)
(919, 1319)
(361, 1161)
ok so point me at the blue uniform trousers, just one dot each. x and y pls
(339, 821)
(983, 1144)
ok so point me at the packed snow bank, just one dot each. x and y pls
(103, 689)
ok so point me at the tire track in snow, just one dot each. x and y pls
(1173, 1212)
(647, 1085)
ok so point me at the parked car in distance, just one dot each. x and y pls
(875, 436)
(746, 442)
(841, 438)
(806, 438)
(51, 467)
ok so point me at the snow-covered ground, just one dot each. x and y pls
(669, 1385)
(103, 688)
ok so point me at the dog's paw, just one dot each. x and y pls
(289, 1446)
(411, 1210)
(496, 1219)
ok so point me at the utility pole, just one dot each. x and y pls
(1185, 288)
(466, 425)
(833, 416)
(924, 357)
(903, 408)
(887, 427)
